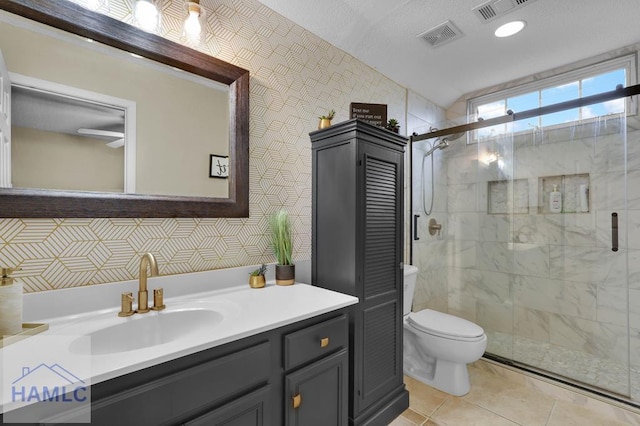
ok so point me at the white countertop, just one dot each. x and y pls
(245, 312)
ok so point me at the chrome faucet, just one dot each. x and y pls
(147, 259)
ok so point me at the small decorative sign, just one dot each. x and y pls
(375, 114)
(218, 166)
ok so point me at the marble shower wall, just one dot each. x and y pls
(295, 77)
(546, 287)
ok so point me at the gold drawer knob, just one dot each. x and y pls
(297, 400)
(324, 342)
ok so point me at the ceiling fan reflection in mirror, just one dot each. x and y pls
(50, 112)
(52, 107)
(118, 142)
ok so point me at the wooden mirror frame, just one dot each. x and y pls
(39, 203)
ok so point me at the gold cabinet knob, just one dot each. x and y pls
(324, 342)
(297, 400)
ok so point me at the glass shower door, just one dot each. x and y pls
(570, 268)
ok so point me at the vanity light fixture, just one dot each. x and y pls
(101, 6)
(146, 15)
(510, 28)
(193, 27)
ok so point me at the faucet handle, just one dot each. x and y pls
(126, 305)
(158, 302)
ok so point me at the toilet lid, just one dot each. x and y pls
(445, 325)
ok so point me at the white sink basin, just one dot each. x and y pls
(147, 330)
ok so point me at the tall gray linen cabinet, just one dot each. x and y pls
(357, 249)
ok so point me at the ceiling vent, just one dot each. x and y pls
(441, 34)
(493, 9)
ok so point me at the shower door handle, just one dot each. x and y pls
(415, 227)
(614, 231)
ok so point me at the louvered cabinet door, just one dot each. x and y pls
(381, 250)
(357, 233)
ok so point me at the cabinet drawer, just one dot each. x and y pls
(250, 410)
(315, 341)
(179, 394)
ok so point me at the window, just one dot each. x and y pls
(592, 80)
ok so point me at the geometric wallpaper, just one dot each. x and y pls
(295, 77)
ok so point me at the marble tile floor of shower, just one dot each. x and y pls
(503, 396)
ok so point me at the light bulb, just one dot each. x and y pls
(146, 15)
(192, 27)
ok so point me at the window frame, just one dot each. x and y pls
(626, 62)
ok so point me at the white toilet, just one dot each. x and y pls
(438, 346)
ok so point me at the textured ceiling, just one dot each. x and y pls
(35, 109)
(383, 35)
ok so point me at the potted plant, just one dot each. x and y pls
(325, 120)
(393, 125)
(282, 244)
(256, 278)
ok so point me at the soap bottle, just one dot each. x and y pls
(555, 200)
(10, 304)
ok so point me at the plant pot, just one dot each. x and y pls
(324, 123)
(285, 274)
(257, 281)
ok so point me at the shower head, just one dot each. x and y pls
(454, 137)
(442, 143)
(438, 144)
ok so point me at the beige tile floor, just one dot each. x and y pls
(502, 396)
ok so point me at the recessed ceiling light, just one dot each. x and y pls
(510, 28)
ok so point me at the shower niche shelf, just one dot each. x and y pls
(508, 196)
(572, 188)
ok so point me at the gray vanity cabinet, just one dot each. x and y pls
(357, 249)
(316, 384)
(319, 393)
(248, 382)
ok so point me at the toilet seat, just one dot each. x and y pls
(445, 325)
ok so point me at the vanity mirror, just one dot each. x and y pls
(148, 201)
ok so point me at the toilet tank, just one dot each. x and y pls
(410, 277)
